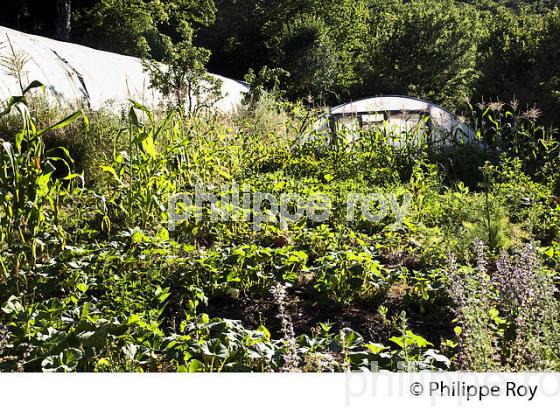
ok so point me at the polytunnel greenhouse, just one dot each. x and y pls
(75, 73)
(404, 120)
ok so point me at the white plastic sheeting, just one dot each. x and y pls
(75, 73)
(396, 115)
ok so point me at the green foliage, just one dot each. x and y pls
(93, 280)
(140, 192)
(181, 75)
(349, 25)
(423, 48)
(321, 43)
(519, 61)
(330, 36)
(264, 85)
(141, 27)
(507, 319)
(345, 275)
(453, 52)
(126, 27)
(27, 186)
(307, 52)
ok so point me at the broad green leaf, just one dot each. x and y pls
(149, 147)
(61, 124)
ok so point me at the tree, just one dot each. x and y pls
(305, 49)
(521, 60)
(342, 28)
(123, 27)
(14, 12)
(34, 16)
(423, 48)
(247, 35)
(236, 39)
(507, 55)
(181, 75)
(548, 59)
(64, 19)
(141, 27)
(348, 26)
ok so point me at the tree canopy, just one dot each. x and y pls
(453, 52)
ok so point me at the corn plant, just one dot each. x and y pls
(29, 194)
(143, 175)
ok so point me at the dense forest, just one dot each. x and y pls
(451, 52)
